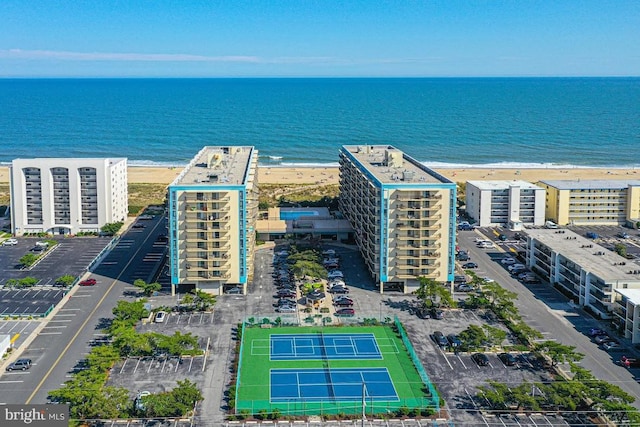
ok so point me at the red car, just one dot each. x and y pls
(345, 312)
(88, 282)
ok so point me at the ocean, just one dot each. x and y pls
(563, 122)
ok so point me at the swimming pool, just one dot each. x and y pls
(295, 215)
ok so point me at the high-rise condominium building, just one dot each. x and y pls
(403, 214)
(67, 196)
(213, 207)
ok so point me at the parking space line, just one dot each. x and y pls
(163, 365)
(150, 365)
(190, 364)
(201, 316)
(10, 382)
(460, 358)
(50, 333)
(123, 365)
(445, 357)
(136, 368)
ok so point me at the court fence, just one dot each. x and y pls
(424, 405)
(416, 361)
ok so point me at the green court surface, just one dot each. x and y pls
(317, 370)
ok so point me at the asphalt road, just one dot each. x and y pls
(68, 335)
(547, 310)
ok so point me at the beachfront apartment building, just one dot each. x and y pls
(580, 268)
(67, 196)
(626, 313)
(592, 202)
(403, 215)
(505, 203)
(213, 207)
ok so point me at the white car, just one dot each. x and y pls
(516, 267)
(508, 261)
(329, 252)
(10, 242)
(160, 316)
(335, 274)
(336, 282)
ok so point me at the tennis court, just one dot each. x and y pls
(320, 346)
(327, 370)
(322, 384)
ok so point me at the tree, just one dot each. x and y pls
(304, 268)
(620, 249)
(111, 228)
(28, 260)
(473, 337)
(432, 293)
(66, 280)
(494, 335)
(130, 312)
(147, 288)
(558, 352)
(203, 300)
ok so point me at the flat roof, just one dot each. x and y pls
(504, 184)
(594, 184)
(606, 264)
(632, 295)
(219, 165)
(392, 166)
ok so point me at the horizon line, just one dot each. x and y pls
(319, 77)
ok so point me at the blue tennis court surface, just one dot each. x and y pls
(313, 385)
(323, 346)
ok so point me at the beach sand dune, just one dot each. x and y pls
(330, 175)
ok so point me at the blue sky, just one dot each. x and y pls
(198, 38)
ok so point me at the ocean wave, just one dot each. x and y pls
(515, 165)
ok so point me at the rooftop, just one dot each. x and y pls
(390, 165)
(595, 184)
(503, 185)
(632, 295)
(217, 166)
(606, 264)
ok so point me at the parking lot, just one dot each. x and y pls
(18, 328)
(610, 236)
(28, 302)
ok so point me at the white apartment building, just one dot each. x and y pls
(403, 215)
(213, 208)
(626, 313)
(581, 268)
(505, 203)
(67, 196)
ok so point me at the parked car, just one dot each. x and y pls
(508, 261)
(343, 303)
(629, 362)
(342, 298)
(596, 331)
(464, 287)
(345, 312)
(329, 252)
(612, 346)
(436, 314)
(88, 282)
(463, 256)
(623, 235)
(285, 301)
(336, 282)
(335, 274)
(469, 265)
(459, 279)
(286, 309)
(601, 339)
(481, 359)
(516, 266)
(285, 293)
(550, 224)
(592, 235)
(160, 317)
(440, 339)
(502, 237)
(19, 365)
(235, 291)
(339, 290)
(454, 340)
(486, 245)
(137, 225)
(508, 359)
(530, 279)
(10, 242)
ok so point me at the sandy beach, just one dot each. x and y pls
(330, 175)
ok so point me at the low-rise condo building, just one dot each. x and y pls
(593, 202)
(67, 196)
(626, 313)
(403, 215)
(213, 207)
(505, 203)
(580, 268)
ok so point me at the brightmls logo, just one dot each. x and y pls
(34, 415)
